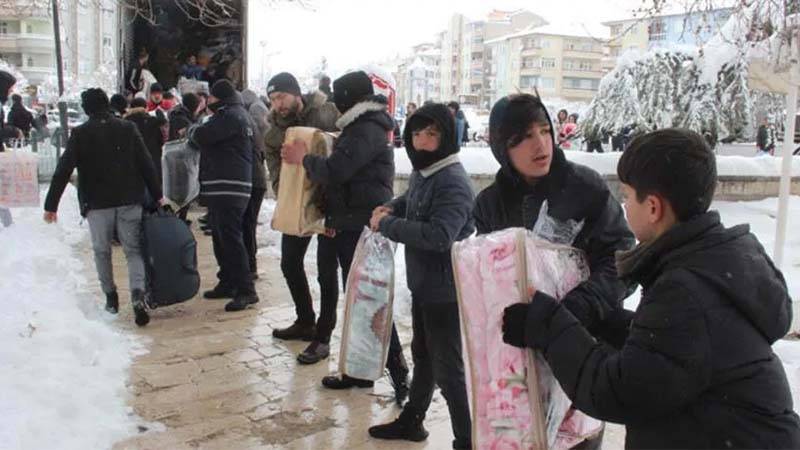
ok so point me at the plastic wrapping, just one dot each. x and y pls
(550, 229)
(515, 401)
(368, 309)
(180, 168)
(19, 180)
(298, 212)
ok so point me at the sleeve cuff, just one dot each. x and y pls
(580, 309)
(538, 322)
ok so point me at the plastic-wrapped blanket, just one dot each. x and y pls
(298, 210)
(515, 401)
(180, 169)
(368, 308)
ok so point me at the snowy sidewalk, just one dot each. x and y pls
(219, 380)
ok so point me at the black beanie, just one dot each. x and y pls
(119, 103)
(94, 101)
(350, 89)
(156, 87)
(223, 90)
(284, 82)
(191, 102)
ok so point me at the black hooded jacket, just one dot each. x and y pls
(572, 191)
(434, 212)
(113, 163)
(150, 129)
(226, 154)
(358, 176)
(697, 370)
(7, 81)
(19, 117)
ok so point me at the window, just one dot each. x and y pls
(531, 62)
(585, 66)
(589, 84)
(547, 83)
(3, 27)
(548, 63)
(568, 64)
(29, 29)
(30, 61)
(528, 81)
(616, 30)
(106, 41)
(657, 31)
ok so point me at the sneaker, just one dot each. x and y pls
(296, 332)
(241, 302)
(139, 310)
(314, 353)
(220, 291)
(345, 382)
(407, 427)
(112, 302)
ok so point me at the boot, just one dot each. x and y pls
(314, 353)
(112, 302)
(296, 332)
(139, 310)
(220, 291)
(241, 302)
(407, 427)
(345, 382)
(398, 373)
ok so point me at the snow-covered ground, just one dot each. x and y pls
(63, 367)
(479, 160)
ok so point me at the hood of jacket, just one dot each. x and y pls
(448, 145)
(508, 178)
(729, 259)
(373, 108)
(135, 111)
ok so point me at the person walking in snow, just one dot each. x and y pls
(7, 130)
(356, 178)
(114, 169)
(19, 116)
(289, 109)
(150, 127)
(765, 138)
(428, 218)
(258, 115)
(225, 141)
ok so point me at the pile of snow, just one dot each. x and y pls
(480, 161)
(63, 367)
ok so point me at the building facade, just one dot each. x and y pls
(89, 37)
(544, 58)
(665, 31)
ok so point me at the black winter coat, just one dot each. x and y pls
(7, 131)
(358, 176)
(150, 128)
(226, 155)
(180, 118)
(697, 370)
(434, 212)
(20, 117)
(113, 165)
(573, 192)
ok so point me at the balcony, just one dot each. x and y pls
(26, 42)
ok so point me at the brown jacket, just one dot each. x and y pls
(317, 113)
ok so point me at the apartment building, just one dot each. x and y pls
(90, 33)
(691, 29)
(554, 60)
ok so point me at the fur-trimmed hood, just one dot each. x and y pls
(374, 106)
(132, 111)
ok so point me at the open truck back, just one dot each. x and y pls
(173, 33)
